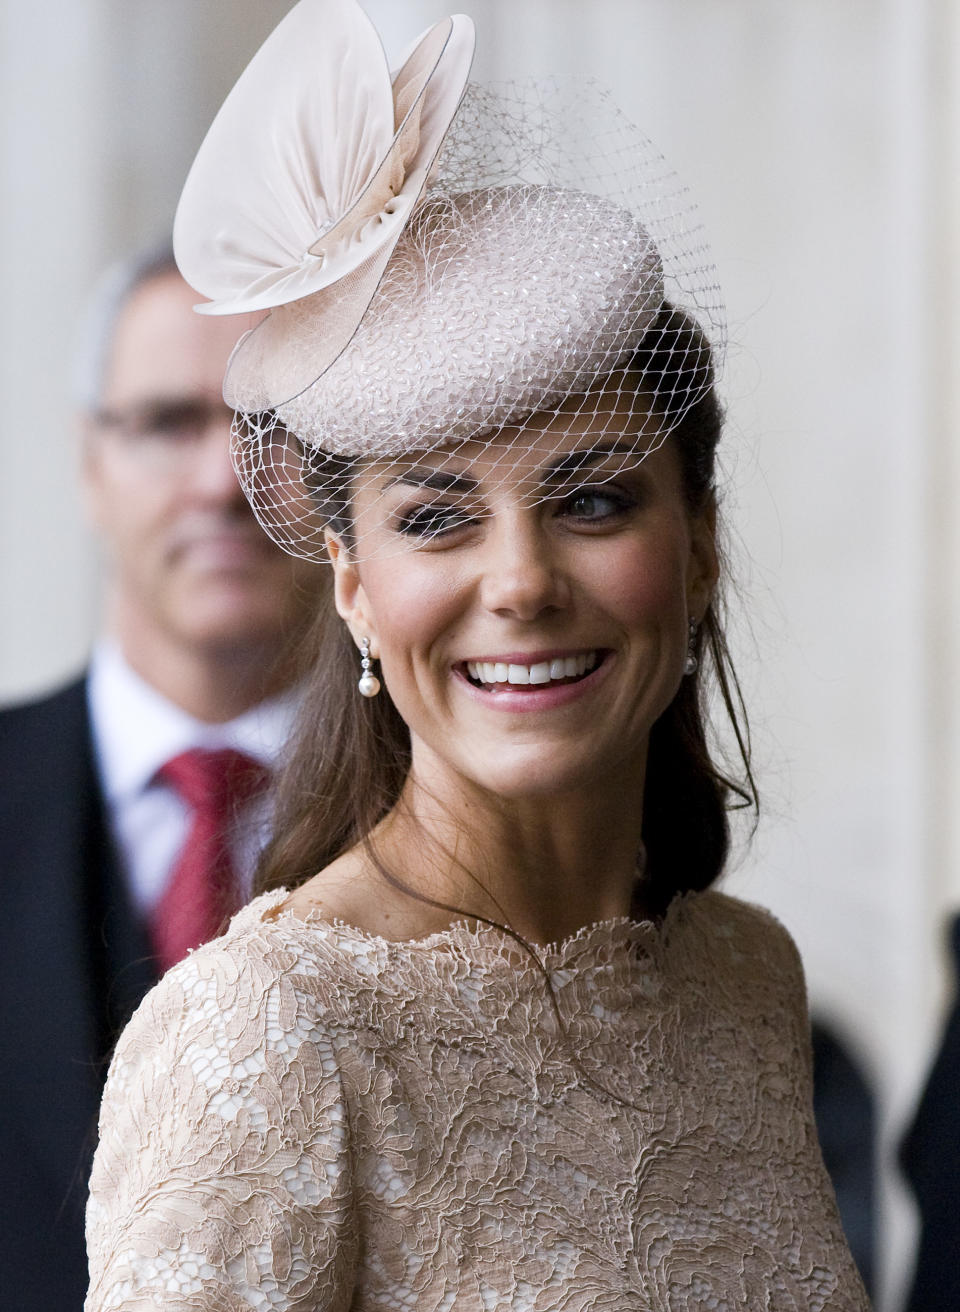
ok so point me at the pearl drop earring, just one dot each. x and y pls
(369, 684)
(691, 663)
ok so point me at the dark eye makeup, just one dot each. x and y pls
(431, 520)
(596, 503)
(599, 504)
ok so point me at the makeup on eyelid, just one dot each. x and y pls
(433, 518)
(445, 479)
(435, 521)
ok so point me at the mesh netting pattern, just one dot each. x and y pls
(552, 297)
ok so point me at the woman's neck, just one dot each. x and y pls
(544, 865)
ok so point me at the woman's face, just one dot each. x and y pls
(529, 647)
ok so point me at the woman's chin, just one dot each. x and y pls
(533, 776)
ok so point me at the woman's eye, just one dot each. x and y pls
(598, 505)
(431, 521)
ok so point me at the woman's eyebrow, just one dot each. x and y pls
(578, 459)
(434, 479)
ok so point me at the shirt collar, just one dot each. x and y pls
(136, 729)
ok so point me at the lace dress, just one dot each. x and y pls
(307, 1118)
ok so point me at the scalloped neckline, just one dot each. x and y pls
(461, 935)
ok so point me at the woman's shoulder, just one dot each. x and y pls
(738, 936)
(268, 985)
(236, 1024)
(269, 962)
(735, 916)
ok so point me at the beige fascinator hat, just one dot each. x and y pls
(439, 263)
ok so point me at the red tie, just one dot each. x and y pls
(202, 890)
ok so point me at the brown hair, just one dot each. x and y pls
(351, 755)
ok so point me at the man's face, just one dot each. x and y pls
(189, 563)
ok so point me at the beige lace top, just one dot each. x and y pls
(307, 1118)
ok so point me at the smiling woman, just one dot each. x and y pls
(594, 510)
(487, 1039)
(556, 542)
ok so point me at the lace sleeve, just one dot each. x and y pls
(222, 1180)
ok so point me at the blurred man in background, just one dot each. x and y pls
(133, 803)
(931, 1160)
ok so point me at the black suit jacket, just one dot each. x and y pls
(73, 964)
(931, 1159)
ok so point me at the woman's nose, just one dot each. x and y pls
(522, 574)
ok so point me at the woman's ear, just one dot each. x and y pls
(349, 596)
(703, 568)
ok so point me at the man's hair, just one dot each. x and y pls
(98, 323)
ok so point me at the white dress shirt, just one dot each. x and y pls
(135, 732)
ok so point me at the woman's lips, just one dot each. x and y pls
(532, 684)
(521, 674)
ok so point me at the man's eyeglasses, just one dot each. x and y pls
(170, 429)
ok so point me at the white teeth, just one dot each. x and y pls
(541, 672)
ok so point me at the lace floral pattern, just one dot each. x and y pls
(303, 1117)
